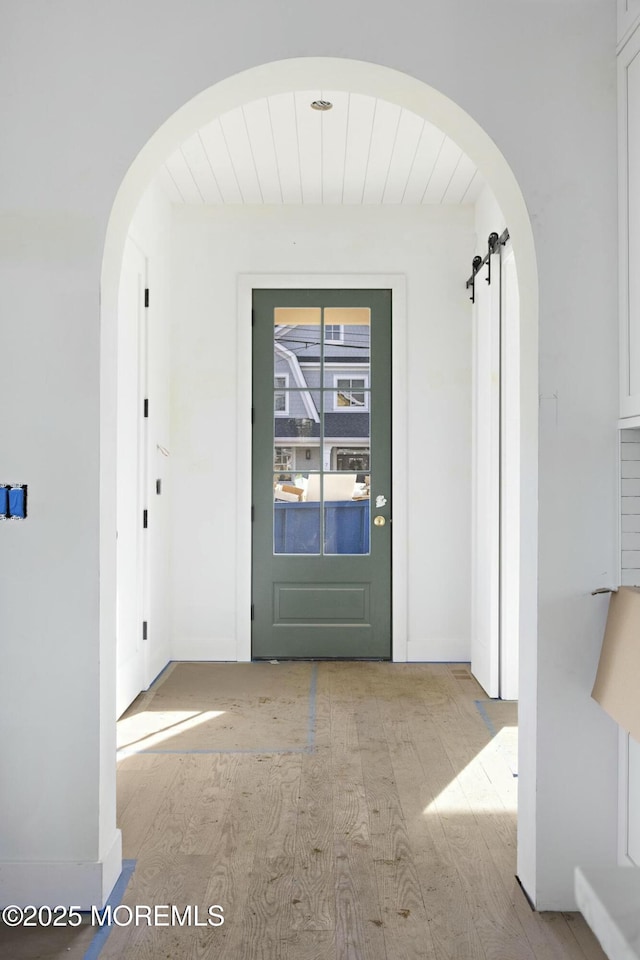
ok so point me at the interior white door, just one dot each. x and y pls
(131, 647)
(509, 475)
(485, 540)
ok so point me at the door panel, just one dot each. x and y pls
(131, 548)
(321, 449)
(485, 547)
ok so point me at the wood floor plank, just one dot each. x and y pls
(234, 852)
(584, 936)
(314, 879)
(447, 909)
(310, 945)
(358, 915)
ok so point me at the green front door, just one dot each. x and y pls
(321, 473)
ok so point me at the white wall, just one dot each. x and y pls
(433, 247)
(95, 104)
(140, 661)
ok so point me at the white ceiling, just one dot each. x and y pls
(278, 150)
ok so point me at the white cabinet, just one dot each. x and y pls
(629, 178)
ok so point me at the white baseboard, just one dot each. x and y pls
(82, 884)
(194, 648)
(434, 650)
(191, 648)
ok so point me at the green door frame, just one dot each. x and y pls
(240, 646)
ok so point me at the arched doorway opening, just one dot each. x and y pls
(423, 101)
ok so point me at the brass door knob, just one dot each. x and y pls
(379, 521)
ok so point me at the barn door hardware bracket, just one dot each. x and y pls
(494, 243)
(471, 282)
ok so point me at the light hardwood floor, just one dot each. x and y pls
(337, 811)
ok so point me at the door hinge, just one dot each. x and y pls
(145, 519)
(144, 629)
(146, 296)
(253, 318)
(253, 513)
(146, 408)
(253, 415)
(253, 611)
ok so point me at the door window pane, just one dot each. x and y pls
(347, 338)
(296, 521)
(296, 340)
(346, 426)
(298, 421)
(346, 515)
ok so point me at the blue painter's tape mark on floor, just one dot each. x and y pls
(155, 679)
(115, 899)
(485, 716)
(309, 747)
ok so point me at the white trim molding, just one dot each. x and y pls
(58, 881)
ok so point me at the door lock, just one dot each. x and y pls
(379, 521)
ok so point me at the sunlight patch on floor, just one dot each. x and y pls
(485, 785)
(146, 730)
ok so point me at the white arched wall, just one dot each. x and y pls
(378, 81)
(541, 83)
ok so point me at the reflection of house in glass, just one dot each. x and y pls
(318, 384)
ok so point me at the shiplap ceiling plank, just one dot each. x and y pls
(198, 162)
(236, 136)
(282, 110)
(183, 178)
(309, 147)
(361, 110)
(260, 130)
(409, 132)
(423, 163)
(460, 181)
(386, 121)
(444, 170)
(168, 184)
(472, 192)
(334, 142)
(279, 150)
(216, 146)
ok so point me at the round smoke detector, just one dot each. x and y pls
(321, 105)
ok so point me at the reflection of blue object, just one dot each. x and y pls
(297, 527)
(346, 527)
(17, 502)
(4, 501)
